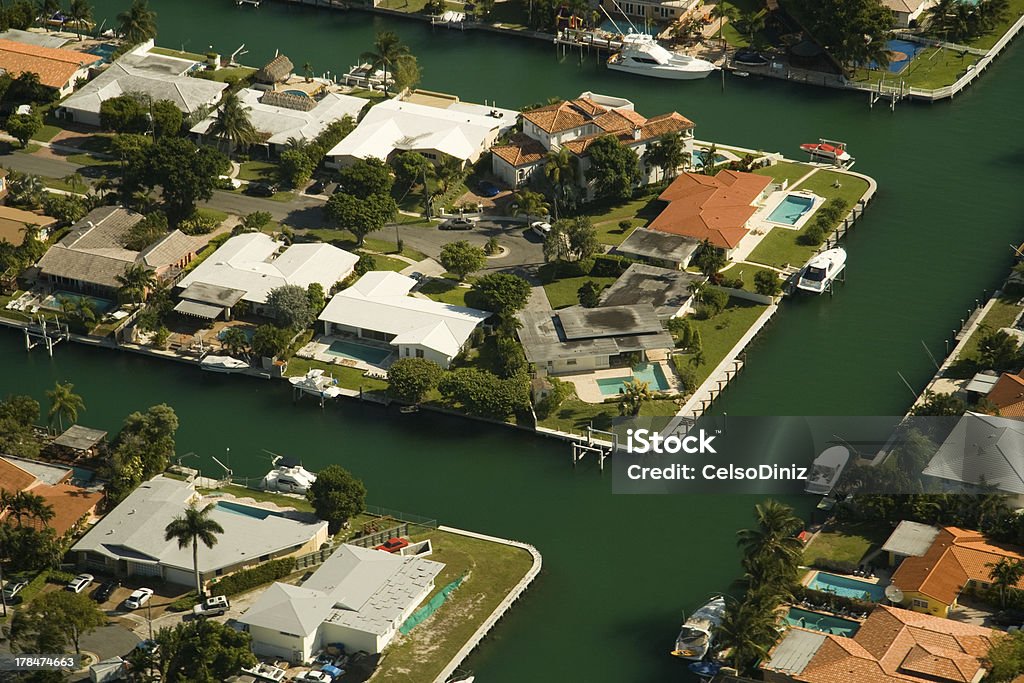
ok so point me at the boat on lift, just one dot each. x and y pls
(822, 270)
(641, 54)
(222, 364)
(696, 636)
(829, 150)
(827, 469)
(317, 383)
(288, 476)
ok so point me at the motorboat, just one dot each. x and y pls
(223, 364)
(288, 476)
(266, 672)
(821, 270)
(317, 383)
(641, 54)
(827, 469)
(829, 150)
(749, 58)
(696, 635)
(705, 670)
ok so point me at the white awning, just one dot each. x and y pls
(199, 310)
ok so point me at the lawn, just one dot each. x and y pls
(86, 159)
(60, 184)
(844, 544)
(167, 52)
(214, 214)
(746, 272)
(1002, 314)
(348, 378)
(239, 73)
(445, 290)
(721, 333)
(932, 68)
(609, 232)
(490, 569)
(47, 132)
(562, 293)
(257, 171)
(300, 504)
(644, 207)
(785, 170)
(344, 239)
(575, 415)
(381, 262)
(988, 40)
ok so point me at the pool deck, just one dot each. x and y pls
(881, 578)
(318, 350)
(588, 390)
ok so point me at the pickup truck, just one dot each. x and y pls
(213, 606)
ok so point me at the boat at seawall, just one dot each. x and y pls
(316, 383)
(288, 476)
(641, 54)
(829, 150)
(695, 637)
(827, 469)
(223, 364)
(821, 270)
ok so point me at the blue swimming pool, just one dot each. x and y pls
(354, 351)
(846, 587)
(297, 93)
(105, 50)
(791, 210)
(247, 331)
(648, 372)
(821, 622)
(901, 53)
(246, 510)
(53, 302)
(697, 160)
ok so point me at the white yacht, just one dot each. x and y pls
(822, 270)
(826, 470)
(288, 476)
(222, 364)
(695, 638)
(641, 54)
(317, 383)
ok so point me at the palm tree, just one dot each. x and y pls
(138, 22)
(307, 69)
(80, 13)
(64, 403)
(191, 528)
(771, 550)
(235, 341)
(939, 14)
(634, 394)
(27, 504)
(387, 51)
(528, 203)
(232, 124)
(753, 22)
(707, 159)
(75, 181)
(135, 282)
(993, 12)
(561, 169)
(1005, 575)
(723, 11)
(297, 143)
(747, 631)
(667, 153)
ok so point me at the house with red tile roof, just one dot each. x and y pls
(891, 646)
(57, 68)
(70, 503)
(1007, 395)
(574, 125)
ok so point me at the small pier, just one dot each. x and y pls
(46, 333)
(588, 41)
(599, 448)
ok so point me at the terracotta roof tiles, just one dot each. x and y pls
(521, 150)
(55, 67)
(1008, 395)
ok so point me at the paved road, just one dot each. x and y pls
(525, 252)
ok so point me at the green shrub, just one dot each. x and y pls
(59, 578)
(610, 265)
(184, 603)
(247, 579)
(814, 236)
(198, 225)
(687, 373)
(766, 283)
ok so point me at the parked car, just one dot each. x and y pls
(457, 224)
(79, 583)
(485, 188)
(540, 228)
(317, 188)
(138, 598)
(392, 545)
(105, 590)
(213, 606)
(418, 276)
(314, 676)
(12, 589)
(261, 189)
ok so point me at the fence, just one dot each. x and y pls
(377, 537)
(401, 516)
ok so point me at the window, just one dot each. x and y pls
(429, 155)
(571, 362)
(419, 353)
(920, 603)
(264, 558)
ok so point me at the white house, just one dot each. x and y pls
(461, 130)
(378, 307)
(358, 597)
(248, 266)
(907, 12)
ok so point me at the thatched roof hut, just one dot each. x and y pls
(276, 70)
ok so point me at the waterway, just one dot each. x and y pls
(618, 569)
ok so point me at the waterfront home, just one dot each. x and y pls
(13, 224)
(378, 308)
(669, 291)
(935, 565)
(436, 126)
(574, 125)
(279, 116)
(358, 597)
(58, 69)
(982, 453)
(248, 266)
(655, 11)
(907, 13)
(151, 75)
(53, 483)
(129, 540)
(659, 248)
(890, 645)
(714, 208)
(92, 255)
(1006, 394)
(578, 339)
(277, 70)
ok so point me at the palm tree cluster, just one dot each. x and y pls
(1005, 575)
(191, 529)
(232, 125)
(137, 23)
(387, 54)
(135, 282)
(21, 505)
(957, 20)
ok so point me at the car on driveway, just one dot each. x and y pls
(314, 676)
(540, 228)
(317, 188)
(261, 189)
(457, 224)
(138, 598)
(12, 589)
(213, 606)
(485, 188)
(105, 590)
(79, 583)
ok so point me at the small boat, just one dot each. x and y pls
(288, 476)
(827, 469)
(829, 150)
(749, 58)
(705, 669)
(223, 364)
(266, 672)
(316, 383)
(641, 54)
(695, 637)
(821, 270)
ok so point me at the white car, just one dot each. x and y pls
(138, 598)
(541, 228)
(79, 583)
(315, 676)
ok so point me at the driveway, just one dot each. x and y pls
(525, 253)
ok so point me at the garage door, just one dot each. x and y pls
(268, 650)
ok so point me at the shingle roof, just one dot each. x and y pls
(14, 478)
(555, 118)
(55, 67)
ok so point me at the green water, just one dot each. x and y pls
(618, 570)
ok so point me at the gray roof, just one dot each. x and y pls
(911, 539)
(94, 249)
(198, 310)
(33, 38)
(170, 249)
(795, 651)
(207, 293)
(666, 290)
(103, 230)
(80, 438)
(982, 383)
(982, 451)
(83, 266)
(608, 321)
(655, 244)
(578, 332)
(43, 471)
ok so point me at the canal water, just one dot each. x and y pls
(619, 570)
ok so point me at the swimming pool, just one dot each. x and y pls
(52, 302)
(821, 622)
(354, 351)
(298, 93)
(247, 331)
(847, 587)
(791, 209)
(105, 50)
(648, 372)
(697, 161)
(246, 510)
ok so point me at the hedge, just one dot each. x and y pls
(831, 599)
(834, 566)
(610, 265)
(247, 579)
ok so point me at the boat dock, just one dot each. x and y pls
(598, 41)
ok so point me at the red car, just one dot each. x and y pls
(392, 545)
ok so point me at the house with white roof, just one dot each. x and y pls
(982, 453)
(358, 597)
(378, 308)
(248, 266)
(279, 115)
(129, 540)
(461, 130)
(157, 76)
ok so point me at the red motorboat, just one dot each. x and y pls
(827, 149)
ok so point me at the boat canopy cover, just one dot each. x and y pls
(194, 308)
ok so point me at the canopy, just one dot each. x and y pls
(80, 438)
(194, 308)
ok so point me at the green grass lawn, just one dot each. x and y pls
(349, 378)
(575, 415)
(386, 247)
(300, 504)
(86, 159)
(844, 544)
(445, 290)
(562, 293)
(47, 132)
(195, 57)
(213, 214)
(932, 68)
(387, 263)
(785, 170)
(240, 73)
(30, 148)
(490, 569)
(344, 239)
(721, 333)
(746, 272)
(609, 232)
(257, 171)
(645, 207)
(988, 40)
(1002, 314)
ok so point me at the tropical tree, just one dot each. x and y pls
(709, 258)
(80, 13)
(1005, 575)
(232, 124)
(562, 171)
(387, 51)
(462, 258)
(307, 69)
(235, 341)
(76, 181)
(771, 551)
(64, 403)
(336, 496)
(528, 203)
(747, 631)
(724, 11)
(614, 169)
(193, 527)
(634, 394)
(134, 282)
(667, 152)
(752, 22)
(137, 23)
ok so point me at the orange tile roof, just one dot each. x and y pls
(618, 120)
(14, 478)
(70, 504)
(555, 118)
(714, 208)
(1008, 395)
(55, 67)
(522, 150)
(955, 557)
(659, 125)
